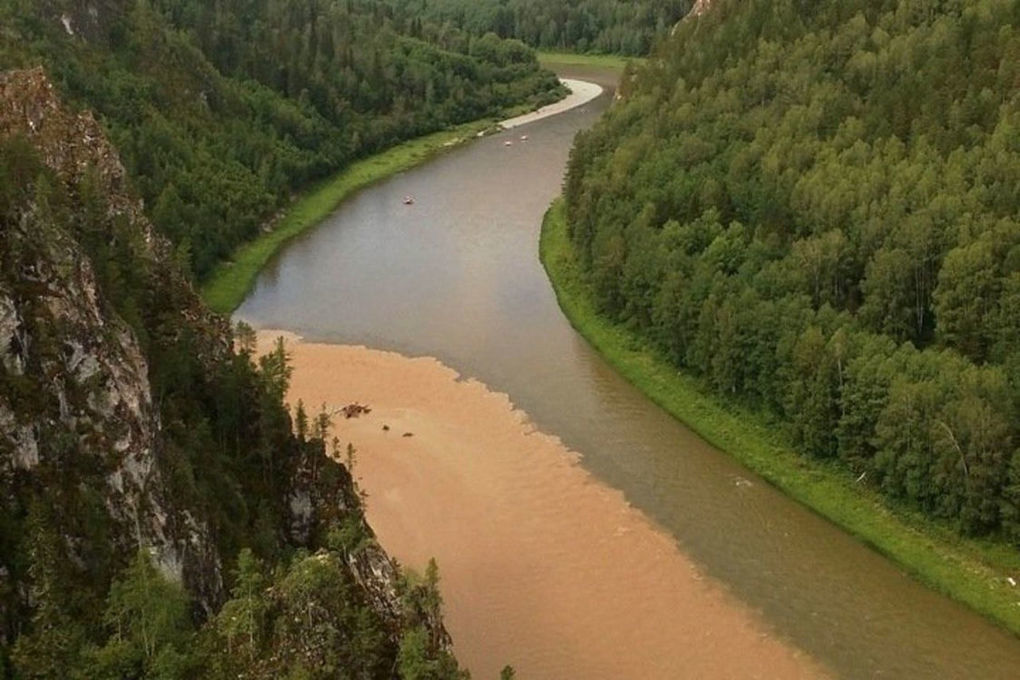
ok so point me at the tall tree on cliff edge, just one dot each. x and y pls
(813, 207)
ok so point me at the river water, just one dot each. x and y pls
(456, 276)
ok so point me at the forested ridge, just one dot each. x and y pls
(601, 26)
(813, 206)
(222, 110)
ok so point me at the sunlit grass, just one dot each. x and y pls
(973, 572)
(551, 60)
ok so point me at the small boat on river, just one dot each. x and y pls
(408, 200)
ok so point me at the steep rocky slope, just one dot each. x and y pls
(127, 420)
(82, 377)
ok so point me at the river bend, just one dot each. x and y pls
(456, 276)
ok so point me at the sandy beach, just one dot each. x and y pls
(581, 92)
(542, 566)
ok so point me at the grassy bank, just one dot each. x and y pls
(553, 60)
(226, 287)
(973, 572)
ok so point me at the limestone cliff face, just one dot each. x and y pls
(84, 386)
(80, 425)
(72, 144)
(699, 8)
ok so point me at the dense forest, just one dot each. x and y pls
(814, 206)
(162, 513)
(602, 26)
(222, 110)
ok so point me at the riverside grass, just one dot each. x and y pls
(230, 281)
(971, 571)
(614, 62)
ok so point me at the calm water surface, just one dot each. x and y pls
(457, 276)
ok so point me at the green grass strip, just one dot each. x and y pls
(615, 62)
(230, 282)
(971, 571)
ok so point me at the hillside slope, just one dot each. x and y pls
(813, 207)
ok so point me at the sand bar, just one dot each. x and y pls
(542, 566)
(581, 92)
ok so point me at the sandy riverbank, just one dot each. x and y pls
(542, 566)
(581, 92)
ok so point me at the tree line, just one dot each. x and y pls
(813, 207)
(602, 26)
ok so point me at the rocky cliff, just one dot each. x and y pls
(83, 365)
(127, 420)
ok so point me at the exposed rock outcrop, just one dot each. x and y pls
(699, 8)
(81, 425)
(83, 364)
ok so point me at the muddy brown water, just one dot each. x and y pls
(543, 566)
(456, 276)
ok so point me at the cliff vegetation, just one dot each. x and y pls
(162, 514)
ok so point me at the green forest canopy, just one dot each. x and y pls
(628, 27)
(814, 207)
(222, 109)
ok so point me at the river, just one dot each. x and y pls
(456, 276)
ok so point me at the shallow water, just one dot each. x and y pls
(457, 276)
